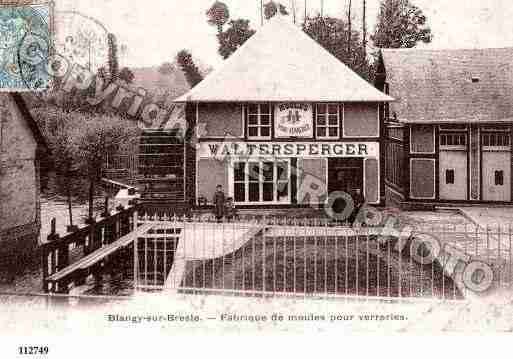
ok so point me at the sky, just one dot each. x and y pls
(155, 30)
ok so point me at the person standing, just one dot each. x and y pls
(219, 203)
(358, 203)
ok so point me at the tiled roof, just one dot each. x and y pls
(281, 63)
(450, 85)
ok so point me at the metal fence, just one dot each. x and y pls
(280, 255)
(314, 257)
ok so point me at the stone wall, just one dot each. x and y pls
(19, 183)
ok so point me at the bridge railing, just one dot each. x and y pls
(58, 252)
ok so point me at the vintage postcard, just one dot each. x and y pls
(255, 167)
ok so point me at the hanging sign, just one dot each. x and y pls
(293, 120)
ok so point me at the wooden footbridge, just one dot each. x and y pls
(68, 261)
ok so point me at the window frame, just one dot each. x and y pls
(327, 125)
(458, 132)
(496, 135)
(499, 177)
(259, 125)
(261, 181)
(433, 137)
(450, 176)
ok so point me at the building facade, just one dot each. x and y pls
(21, 147)
(448, 135)
(283, 123)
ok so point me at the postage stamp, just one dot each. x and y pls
(25, 45)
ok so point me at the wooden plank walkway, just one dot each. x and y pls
(95, 257)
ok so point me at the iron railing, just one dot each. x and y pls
(284, 256)
(314, 257)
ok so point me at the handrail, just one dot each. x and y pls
(98, 255)
(118, 185)
(59, 252)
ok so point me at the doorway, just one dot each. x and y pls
(344, 175)
(453, 166)
(496, 165)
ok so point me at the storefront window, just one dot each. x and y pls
(261, 182)
(328, 121)
(259, 121)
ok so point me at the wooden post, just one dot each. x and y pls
(90, 219)
(135, 219)
(53, 231)
(136, 261)
(50, 265)
(71, 227)
(106, 212)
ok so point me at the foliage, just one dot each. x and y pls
(79, 142)
(191, 71)
(333, 34)
(271, 8)
(218, 15)
(400, 24)
(126, 75)
(232, 38)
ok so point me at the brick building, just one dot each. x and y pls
(279, 108)
(448, 134)
(20, 149)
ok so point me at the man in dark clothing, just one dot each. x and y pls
(358, 202)
(219, 203)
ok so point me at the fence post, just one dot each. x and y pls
(49, 266)
(136, 261)
(135, 216)
(135, 220)
(106, 212)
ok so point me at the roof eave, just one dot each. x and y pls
(224, 100)
(453, 121)
(36, 132)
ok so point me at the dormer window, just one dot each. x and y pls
(475, 80)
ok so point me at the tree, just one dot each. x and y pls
(400, 24)
(126, 75)
(364, 28)
(272, 8)
(232, 38)
(64, 149)
(100, 135)
(350, 25)
(80, 142)
(333, 34)
(218, 15)
(113, 60)
(191, 71)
